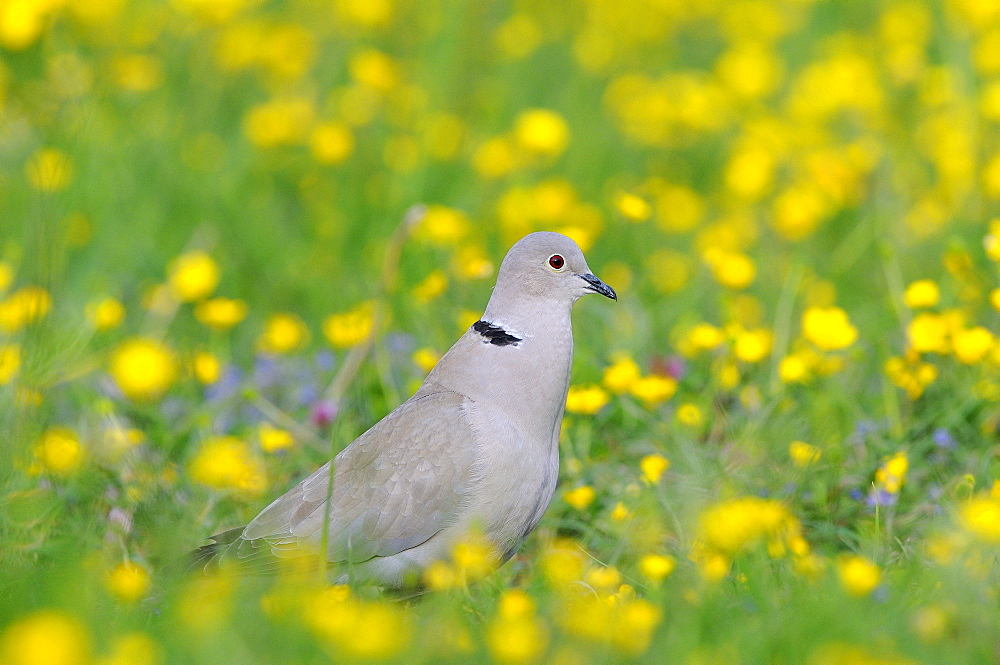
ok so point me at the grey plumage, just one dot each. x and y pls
(477, 446)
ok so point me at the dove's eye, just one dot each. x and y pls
(557, 262)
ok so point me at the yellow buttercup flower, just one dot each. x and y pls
(351, 327)
(128, 582)
(656, 567)
(426, 359)
(227, 463)
(279, 122)
(828, 328)
(586, 399)
(632, 207)
(144, 369)
(928, 333)
(193, 276)
(520, 639)
(922, 293)
(331, 143)
(10, 362)
(283, 333)
(653, 467)
(690, 415)
(858, 575)
(133, 649)
(220, 313)
(45, 638)
(731, 269)
(972, 345)
(49, 170)
(106, 313)
(58, 451)
(580, 497)
(981, 517)
(430, 288)
(207, 367)
(274, 439)
(22, 307)
(803, 454)
(622, 374)
(442, 226)
(653, 389)
(753, 345)
(6, 276)
(542, 132)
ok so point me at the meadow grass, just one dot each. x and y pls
(236, 233)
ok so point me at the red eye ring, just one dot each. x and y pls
(557, 261)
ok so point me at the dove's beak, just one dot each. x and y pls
(597, 286)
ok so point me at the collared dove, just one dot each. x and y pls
(476, 448)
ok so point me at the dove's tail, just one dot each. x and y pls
(208, 557)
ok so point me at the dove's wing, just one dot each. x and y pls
(396, 486)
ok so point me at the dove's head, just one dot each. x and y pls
(549, 266)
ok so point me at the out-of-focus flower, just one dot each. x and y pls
(220, 313)
(442, 226)
(653, 389)
(359, 629)
(858, 575)
(227, 463)
(580, 497)
(516, 636)
(736, 524)
(980, 516)
(331, 143)
(6, 276)
(133, 649)
(803, 454)
(207, 368)
(283, 333)
(128, 582)
(972, 344)
(45, 638)
(892, 473)
(679, 209)
(350, 328)
(58, 451)
(375, 70)
(430, 288)
(633, 207)
(586, 399)
(137, 72)
(911, 374)
(656, 567)
(653, 467)
(274, 439)
(921, 293)
(49, 170)
(426, 359)
(995, 299)
(542, 132)
(690, 415)
(143, 368)
(193, 276)
(621, 375)
(279, 122)
(322, 413)
(928, 333)
(10, 362)
(731, 269)
(752, 345)
(106, 313)
(22, 307)
(828, 328)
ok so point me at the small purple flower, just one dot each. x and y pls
(943, 439)
(672, 366)
(856, 494)
(325, 360)
(227, 384)
(265, 371)
(881, 498)
(323, 413)
(307, 393)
